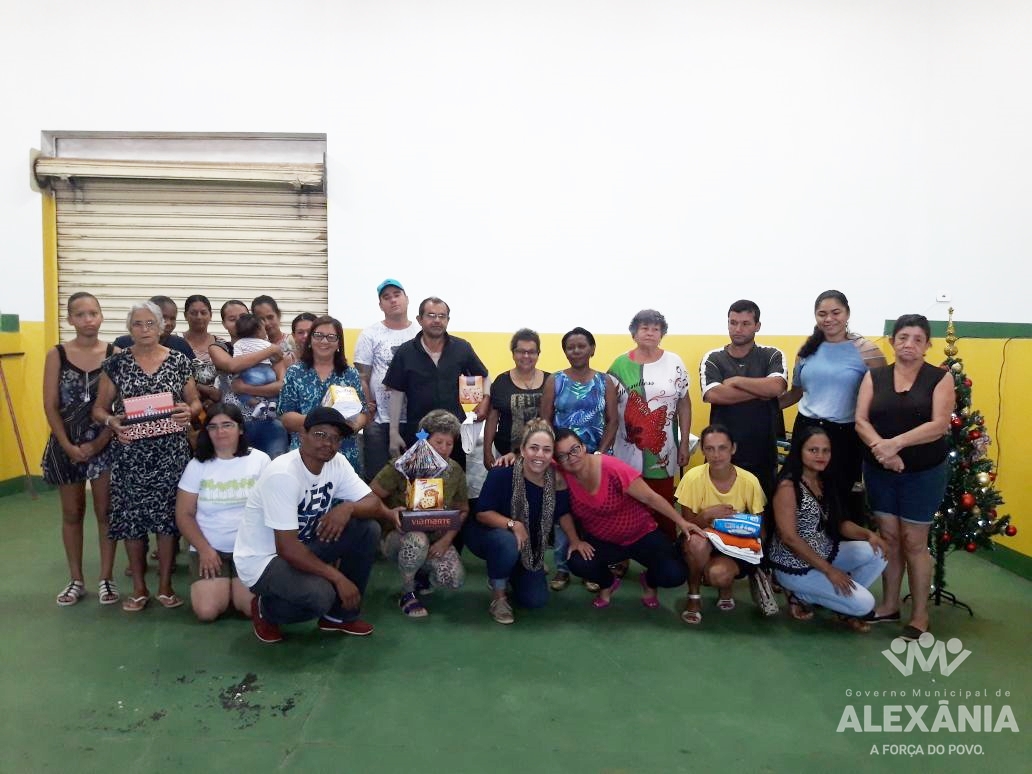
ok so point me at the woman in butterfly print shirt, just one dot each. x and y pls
(654, 407)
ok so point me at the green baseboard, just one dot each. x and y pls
(1009, 559)
(18, 485)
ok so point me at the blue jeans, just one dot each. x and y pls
(497, 547)
(857, 559)
(655, 552)
(256, 376)
(289, 595)
(562, 548)
(269, 435)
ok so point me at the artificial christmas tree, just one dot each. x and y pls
(968, 516)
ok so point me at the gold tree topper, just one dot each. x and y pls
(951, 337)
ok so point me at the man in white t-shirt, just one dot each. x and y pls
(307, 512)
(374, 351)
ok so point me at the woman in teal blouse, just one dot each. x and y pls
(322, 364)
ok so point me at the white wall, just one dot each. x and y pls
(557, 163)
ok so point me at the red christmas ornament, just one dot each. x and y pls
(947, 537)
(1011, 530)
(971, 548)
(992, 476)
(974, 435)
(967, 501)
(992, 513)
(967, 382)
(957, 423)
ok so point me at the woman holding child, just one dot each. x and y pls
(265, 433)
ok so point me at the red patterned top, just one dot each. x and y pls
(610, 513)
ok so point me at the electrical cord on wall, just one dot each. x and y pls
(999, 403)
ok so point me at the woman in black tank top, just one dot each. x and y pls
(902, 416)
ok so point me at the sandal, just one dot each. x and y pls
(599, 603)
(73, 592)
(170, 601)
(799, 610)
(726, 605)
(857, 625)
(135, 604)
(692, 616)
(651, 602)
(107, 592)
(411, 606)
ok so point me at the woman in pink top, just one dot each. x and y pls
(612, 507)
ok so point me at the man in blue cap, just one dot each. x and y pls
(374, 352)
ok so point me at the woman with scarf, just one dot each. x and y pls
(517, 507)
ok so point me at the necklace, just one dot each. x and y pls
(527, 385)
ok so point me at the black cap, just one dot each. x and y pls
(324, 415)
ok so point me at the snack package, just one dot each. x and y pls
(739, 525)
(471, 389)
(426, 494)
(344, 399)
(421, 460)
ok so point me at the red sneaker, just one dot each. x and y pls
(263, 630)
(356, 628)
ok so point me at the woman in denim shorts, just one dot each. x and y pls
(902, 416)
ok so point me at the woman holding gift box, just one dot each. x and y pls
(430, 555)
(322, 365)
(146, 470)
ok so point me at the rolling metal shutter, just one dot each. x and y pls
(130, 230)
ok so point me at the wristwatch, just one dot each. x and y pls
(510, 524)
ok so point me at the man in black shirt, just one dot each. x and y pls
(742, 382)
(425, 371)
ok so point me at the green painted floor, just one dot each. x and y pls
(566, 689)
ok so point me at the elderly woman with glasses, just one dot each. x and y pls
(612, 508)
(146, 469)
(515, 398)
(209, 506)
(321, 365)
(655, 409)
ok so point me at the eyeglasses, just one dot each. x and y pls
(333, 338)
(213, 426)
(148, 324)
(322, 435)
(525, 352)
(575, 451)
(435, 315)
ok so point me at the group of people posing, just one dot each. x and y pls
(285, 511)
